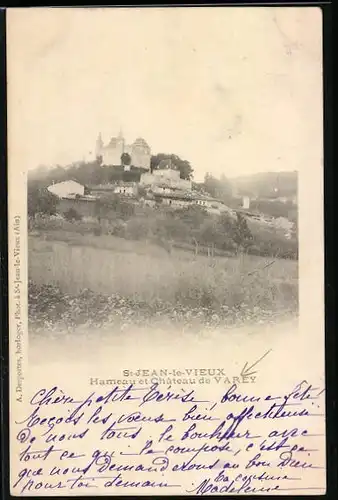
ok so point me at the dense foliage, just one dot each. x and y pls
(41, 201)
(92, 173)
(186, 170)
(191, 228)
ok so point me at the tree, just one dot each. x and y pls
(72, 214)
(272, 208)
(96, 176)
(218, 188)
(225, 188)
(173, 228)
(242, 234)
(211, 184)
(193, 216)
(125, 159)
(227, 224)
(208, 232)
(198, 186)
(142, 192)
(98, 209)
(186, 170)
(41, 201)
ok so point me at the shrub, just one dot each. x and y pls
(192, 216)
(72, 214)
(172, 228)
(124, 209)
(118, 228)
(137, 228)
(41, 201)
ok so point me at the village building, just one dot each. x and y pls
(174, 199)
(148, 202)
(163, 189)
(178, 198)
(110, 154)
(246, 202)
(66, 189)
(212, 205)
(166, 175)
(129, 189)
(126, 189)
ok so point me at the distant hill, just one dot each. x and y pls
(266, 185)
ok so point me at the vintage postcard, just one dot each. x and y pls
(166, 250)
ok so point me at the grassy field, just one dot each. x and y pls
(78, 278)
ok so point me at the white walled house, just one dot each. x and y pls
(120, 188)
(212, 205)
(126, 189)
(246, 202)
(175, 201)
(165, 189)
(66, 188)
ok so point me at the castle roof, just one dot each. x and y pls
(141, 142)
(113, 141)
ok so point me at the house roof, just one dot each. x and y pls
(166, 186)
(191, 196)
(79, 198)
(67, 180)
(178, 196)
(125, 184)
(113, 141)
(112, 185)
(102, 187)
(204, 197)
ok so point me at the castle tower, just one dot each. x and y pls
(99, 146)
(120, 140)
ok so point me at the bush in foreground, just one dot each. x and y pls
(89, 309)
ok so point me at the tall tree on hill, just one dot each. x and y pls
(218, 188)
(125, 159)
(211, 184)
(225, 188)
(186, 170)
(242, 234)
(96, 176)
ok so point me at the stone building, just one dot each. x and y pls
(166, 175)
(139, 151)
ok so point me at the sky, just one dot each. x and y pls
(232, 90)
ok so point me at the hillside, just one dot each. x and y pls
(267, 184)
(85, 173)
(259, 185)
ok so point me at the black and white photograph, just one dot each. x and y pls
(163, 170)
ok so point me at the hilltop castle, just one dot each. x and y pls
(139, 151)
